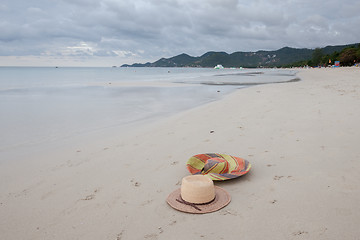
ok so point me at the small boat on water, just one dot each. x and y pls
(219, 66)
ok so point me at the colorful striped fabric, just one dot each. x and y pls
(217, 166)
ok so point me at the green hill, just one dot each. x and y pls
(278, 58)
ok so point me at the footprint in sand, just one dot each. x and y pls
(151, 236)
(172, 223)
(279, 177)
(119, 235)
(136, 184)
(228, 212)
(298, 233)
(91, 196)
(147, 202)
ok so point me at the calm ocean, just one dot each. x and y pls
(46, 104)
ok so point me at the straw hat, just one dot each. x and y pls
(218, 167)
(198, 195)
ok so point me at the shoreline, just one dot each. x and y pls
(301, 139)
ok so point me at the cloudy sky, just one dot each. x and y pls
(113, 32)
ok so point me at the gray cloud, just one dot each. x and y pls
(147, 30)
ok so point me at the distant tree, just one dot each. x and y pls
(326, 60)
(295, 64)
(317, 56)
(358, 53)
(334, 56)
(348, 57)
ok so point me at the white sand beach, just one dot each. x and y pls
(302, 139)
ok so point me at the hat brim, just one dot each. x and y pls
(222, 198)
(240, 166)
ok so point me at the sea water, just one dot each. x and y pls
(39, 105)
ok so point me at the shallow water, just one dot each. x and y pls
(47, 104)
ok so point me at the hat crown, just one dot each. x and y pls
(197, 189)
(216, 165)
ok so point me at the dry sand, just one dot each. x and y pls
(302, 139)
